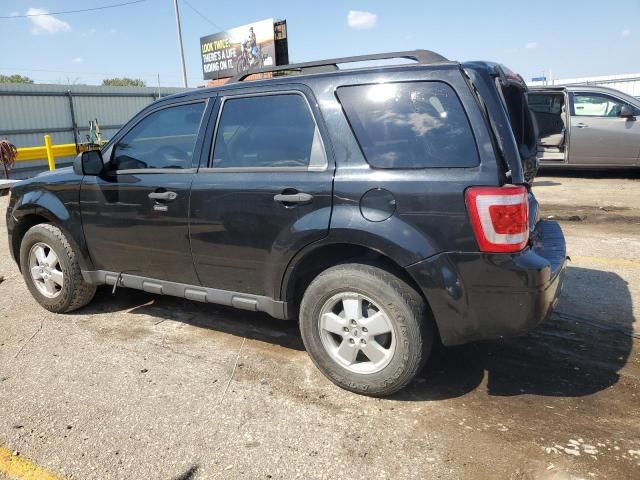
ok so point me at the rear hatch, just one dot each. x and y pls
(514, 94)
(503, 95)
(547, 236)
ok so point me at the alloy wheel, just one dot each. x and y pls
(45, 269)
(357, 333)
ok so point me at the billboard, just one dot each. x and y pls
(234, 51)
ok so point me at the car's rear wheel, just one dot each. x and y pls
(51, 271)
(366, 329)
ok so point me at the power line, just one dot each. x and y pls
(202, 15)
(75, 11)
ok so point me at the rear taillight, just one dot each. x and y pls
(500, 217)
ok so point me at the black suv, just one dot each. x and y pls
(383, 207)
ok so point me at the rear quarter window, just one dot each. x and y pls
(410, 125)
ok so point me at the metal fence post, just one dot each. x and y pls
(50, 158)
(74, 124)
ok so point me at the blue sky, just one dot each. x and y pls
(570, 38)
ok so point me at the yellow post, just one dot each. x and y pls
(50, 158)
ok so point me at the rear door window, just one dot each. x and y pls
(545, 103)
(410, 125)
(268, 131)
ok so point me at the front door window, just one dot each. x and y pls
(596, 105)
(164, 139)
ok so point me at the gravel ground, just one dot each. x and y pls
(142, 386)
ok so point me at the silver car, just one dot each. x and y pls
(586, 127)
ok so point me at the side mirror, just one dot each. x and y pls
(89, 163)
(626, 112)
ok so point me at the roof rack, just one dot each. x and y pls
(423, 57)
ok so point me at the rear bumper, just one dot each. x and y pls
(476, 296)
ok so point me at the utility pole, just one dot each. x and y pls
(184, 68)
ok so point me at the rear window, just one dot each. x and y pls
(410, 125)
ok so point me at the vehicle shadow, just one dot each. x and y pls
(545, 183)
(241, 323)
(576, 352)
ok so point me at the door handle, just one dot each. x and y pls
(167, 196)
(299, 198)
(581, 125)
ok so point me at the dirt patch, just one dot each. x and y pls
(590, 214)
(595, 215)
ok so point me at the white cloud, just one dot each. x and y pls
(531, 45)
(78, 60)
(46, 23)
(113, 30)
(626, 32)
(361, 20)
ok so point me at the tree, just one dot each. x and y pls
(123, 82)
(14, 79)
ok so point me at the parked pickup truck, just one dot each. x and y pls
(381, 207)
(586, 127)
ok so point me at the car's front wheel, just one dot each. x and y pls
(366, 329)
(51, 271)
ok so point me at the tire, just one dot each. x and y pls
(329, 302)
(242, 65)
(35, 253)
